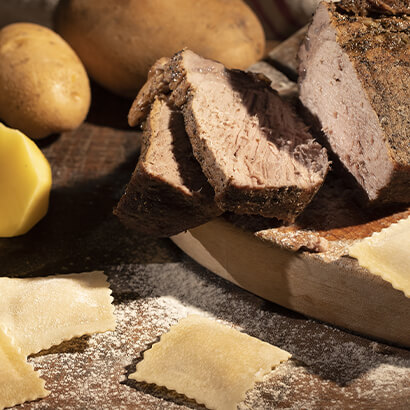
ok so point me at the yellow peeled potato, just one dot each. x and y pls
(44, 88)
(118, 41)
(25, 183)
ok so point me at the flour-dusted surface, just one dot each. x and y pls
(154, 285)
(329, 368)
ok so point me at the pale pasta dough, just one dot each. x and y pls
(18, 380)
(209, 362)
(42, 312)
(387, 254)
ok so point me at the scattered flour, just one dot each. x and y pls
(330, 369)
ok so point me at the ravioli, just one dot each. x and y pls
(18, 380)
(387, 254)
(211, 363)
(45, 311)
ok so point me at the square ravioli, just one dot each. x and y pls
(18, 380)
(211, 363)
(45, 311)
(387, 254)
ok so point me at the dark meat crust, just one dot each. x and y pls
(371, 7)
(159, 211)
(379, 49)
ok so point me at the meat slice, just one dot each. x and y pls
(156, 84)
(355, 78)
(255, 152)
(168, 192)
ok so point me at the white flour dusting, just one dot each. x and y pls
(330, 369)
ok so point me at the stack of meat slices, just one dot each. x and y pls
(216, 140)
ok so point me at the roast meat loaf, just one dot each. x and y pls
(355, 78)
(167, 193)
(255, 152)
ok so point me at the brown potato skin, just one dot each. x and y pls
(118, 41)
(44, 88)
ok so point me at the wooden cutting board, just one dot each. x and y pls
(325, 285)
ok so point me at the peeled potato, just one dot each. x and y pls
(25, 183)
(118, 41)
(44, 87)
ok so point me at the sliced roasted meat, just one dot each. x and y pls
(355, 78)
(254, 150)
(168, 192)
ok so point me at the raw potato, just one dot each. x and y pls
(25, 183)
(119, 41)
(44, 87)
